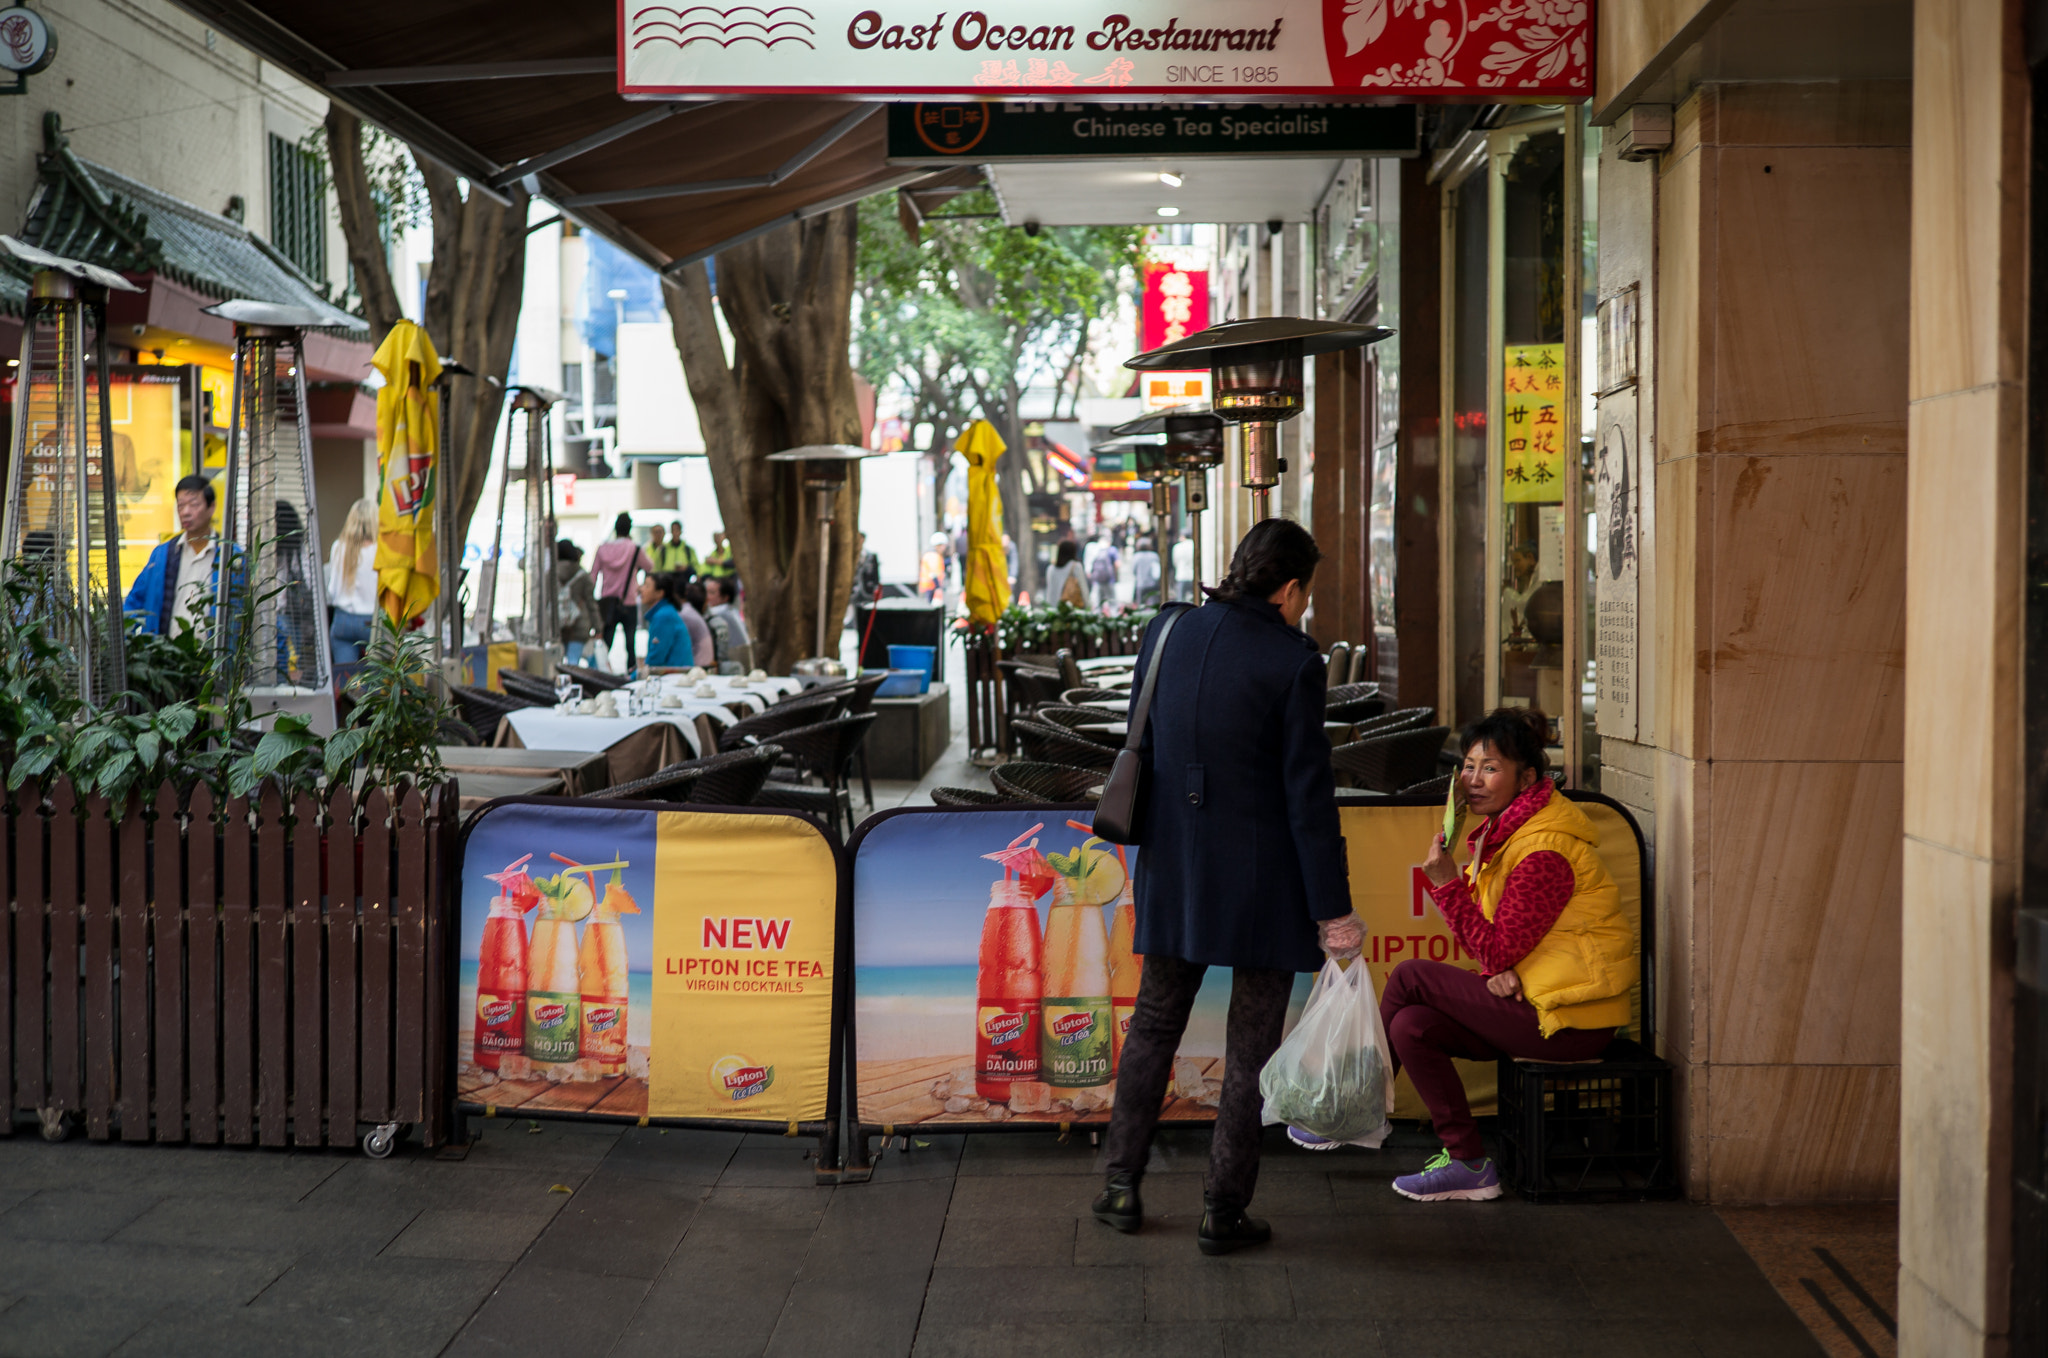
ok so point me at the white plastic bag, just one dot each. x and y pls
(1332, 1077)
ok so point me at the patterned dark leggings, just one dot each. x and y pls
(1258, 1010)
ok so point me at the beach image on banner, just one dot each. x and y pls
(994, 976)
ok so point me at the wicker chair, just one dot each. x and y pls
(825, 751)
(1435, 787)
(730, 779)
(1051, 744)
(1361, 662)
(593, 681)
(736, 777)
(784, 716)
(455, 731)
(537, 691)
(966, 796)
(1072, 718)
(1386, 724)
(1072, 696)
(1070, 669)
(1028, 685)
(1340, 663)
(1042, 784)
(1353, 702)
(1386, 763)
(483, 709)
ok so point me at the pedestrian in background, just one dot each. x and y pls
(668, 640)
(352, 583)
(1244, 863)
(1144, 573)
(1184, 568)
(617, 567)
(729, 639)
(575, 601)
(690, 602)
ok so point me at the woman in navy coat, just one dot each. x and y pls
(1242, 866)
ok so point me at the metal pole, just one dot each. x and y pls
(322, 646)
(824, 565)
(231, 478)
(117, 661)
(487, 601)
(74, 316)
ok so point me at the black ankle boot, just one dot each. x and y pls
(1117, 1205)
(1227, 1228)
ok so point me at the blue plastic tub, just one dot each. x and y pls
(924, 658)
(905, 683)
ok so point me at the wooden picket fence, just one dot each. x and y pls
(244, 973)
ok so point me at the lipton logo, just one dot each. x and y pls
(550, 1015)
(748, 1081)
(1002, 1028)
(1072, 1028)
(496, 1012)
(601, 1020)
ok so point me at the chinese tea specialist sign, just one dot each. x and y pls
(1177, 48)
(987, 133)
(635, 963)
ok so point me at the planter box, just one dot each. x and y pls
(238, 975)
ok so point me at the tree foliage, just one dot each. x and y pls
(965, 317)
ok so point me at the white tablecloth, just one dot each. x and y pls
(544, 728)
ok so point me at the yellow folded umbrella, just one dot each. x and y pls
(987, 569)
(409, 466)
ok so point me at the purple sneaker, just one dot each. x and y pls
(1309, 1141)
(1444, 1179)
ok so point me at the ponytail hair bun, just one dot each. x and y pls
(1274, 552)
(1518, 734)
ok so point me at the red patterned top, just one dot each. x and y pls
(1535, 894)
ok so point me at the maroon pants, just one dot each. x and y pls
(1435, 1011)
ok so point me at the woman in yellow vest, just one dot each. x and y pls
(1538, 910)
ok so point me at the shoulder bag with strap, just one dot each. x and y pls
(1116, 815)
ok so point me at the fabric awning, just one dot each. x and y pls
(458, 81)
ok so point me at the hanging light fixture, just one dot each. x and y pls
(824, 471)
(1255, 381)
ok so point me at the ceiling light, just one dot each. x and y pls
(1169, 212)
(1169, 178)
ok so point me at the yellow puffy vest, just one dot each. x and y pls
(1580, 974)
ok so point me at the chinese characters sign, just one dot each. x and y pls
(1513, 49)
(1176, 305)
(1532, 424)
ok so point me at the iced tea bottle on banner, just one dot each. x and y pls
(1007, 991)
(1074, 1044)
(1123, 971)
(554, 998)
(501, 970)
(601, 977)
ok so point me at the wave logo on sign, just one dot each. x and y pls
(723, 27)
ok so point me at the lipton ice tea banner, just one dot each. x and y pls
(621, 961)
(994, 977)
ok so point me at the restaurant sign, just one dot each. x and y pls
(993, 133)
(1536, 50)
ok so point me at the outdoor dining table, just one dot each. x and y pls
(479, 788)
(634, 747)
(578, 772)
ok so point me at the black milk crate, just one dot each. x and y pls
(1588, 1133)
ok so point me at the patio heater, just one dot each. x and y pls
(1255, 382)
(823, 466)
(64, 483)
(1194, 444)
(527, 423)
(1146, 454)
(269, 520)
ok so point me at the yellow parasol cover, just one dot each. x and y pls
(408, 458)
(987, 568)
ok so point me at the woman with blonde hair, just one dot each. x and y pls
(352, 582)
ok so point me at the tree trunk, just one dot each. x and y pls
(359, 222)
(474, 288)
(786, 297)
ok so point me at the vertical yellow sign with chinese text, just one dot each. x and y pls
(1532, 424)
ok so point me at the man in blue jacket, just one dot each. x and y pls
(178, 579)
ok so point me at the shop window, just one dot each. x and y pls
(298, 207)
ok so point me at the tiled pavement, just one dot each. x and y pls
(704, 1243)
